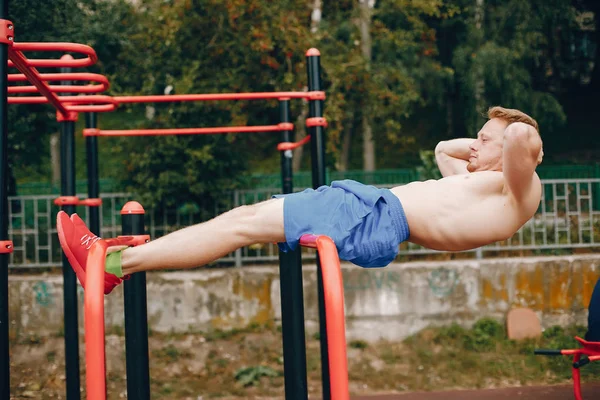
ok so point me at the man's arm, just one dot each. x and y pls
(452, 156)
(522, 154)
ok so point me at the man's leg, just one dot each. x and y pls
(203, 243)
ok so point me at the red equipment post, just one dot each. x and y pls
(6, 246)
(95, 351)
(333, 289)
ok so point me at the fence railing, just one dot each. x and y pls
(568, 218)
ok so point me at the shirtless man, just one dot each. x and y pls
(488, 191)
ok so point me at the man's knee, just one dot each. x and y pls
(262, 219)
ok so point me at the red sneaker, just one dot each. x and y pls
(76, 241)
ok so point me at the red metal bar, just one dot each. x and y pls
(83, 103)
(76, 201)
(6, 246)
(33, 76)
(316, 121)
(7, 32)
(95, 358)
(95, 349)
(333, 288)
(102, 81)
(221, 96)
(576, 378)
(186, 131)
(90, 55)
(283, 146)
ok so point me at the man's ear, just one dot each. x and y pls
(540, 156)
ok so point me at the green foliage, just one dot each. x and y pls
(483, 336)
(29, 126)
(510, 54)
(428, 168)
(429, 58)
(358, 344)
(250, 376)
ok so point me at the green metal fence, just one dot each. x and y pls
(569, 171)
(303, 179)
(40, 188)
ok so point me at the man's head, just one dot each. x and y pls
(486, 151)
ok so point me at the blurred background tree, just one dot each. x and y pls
(400, 75)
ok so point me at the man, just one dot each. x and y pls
(488, 191)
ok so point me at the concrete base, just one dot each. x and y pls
(388, 303)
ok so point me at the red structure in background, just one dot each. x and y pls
(590, 349)
(68, 106)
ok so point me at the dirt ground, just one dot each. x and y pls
(248, 365)
(520, 393)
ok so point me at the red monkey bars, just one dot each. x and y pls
(64, 105)
(68, 106)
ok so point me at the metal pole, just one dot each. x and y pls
(4, 321)
(91, 144)
(317, 148)
(136, 314)
(292, 297)
(67, 173)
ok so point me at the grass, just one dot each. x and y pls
(454, 357)
(248, 363)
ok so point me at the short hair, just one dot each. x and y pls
(512, 115)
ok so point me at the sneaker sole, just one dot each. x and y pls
(77, 268)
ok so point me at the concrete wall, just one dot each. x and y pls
(390, 303)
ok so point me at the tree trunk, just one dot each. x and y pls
(366, 47)
(55, 158)
(300, 134)
(368, 145)
(479, 80)
(595, 7)
(450, 115)
(315, 17)
(346, 144)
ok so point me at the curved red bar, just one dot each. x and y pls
(333, 288)
(184, 131)
(102, 81)
(221, 96)
(95, 361)
(21, 62)
(93, 103)
(283, 146)
(95, 357)
(90, 55)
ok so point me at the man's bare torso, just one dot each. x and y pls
(462, 212)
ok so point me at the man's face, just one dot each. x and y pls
(486, 151)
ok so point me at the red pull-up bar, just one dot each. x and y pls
(221, 96)
(90, 55)
(284, 126)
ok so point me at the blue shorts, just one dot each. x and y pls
(366, 223)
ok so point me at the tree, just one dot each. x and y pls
(208, 46)
(29, 126)
(366, 47)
